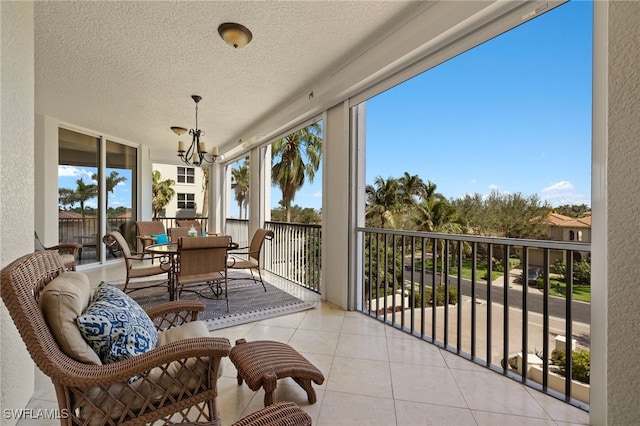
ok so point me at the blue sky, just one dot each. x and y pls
(513, 115)
(121, 196)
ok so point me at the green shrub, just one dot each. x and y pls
(440, 297)
(582, 271)
(581, 364)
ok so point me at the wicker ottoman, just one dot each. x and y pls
(263, 362)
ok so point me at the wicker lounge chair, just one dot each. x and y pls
(175, 382)
(250, 259)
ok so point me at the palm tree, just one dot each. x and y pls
(412, 189)
(112, 181)
(296, 157)
(240, 185)
(162, 192)
(80, 195)
(384, 200)
(438, 215)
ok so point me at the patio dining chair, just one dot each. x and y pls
(188, 223)
(68, 251)
(202, 265)
(151, 232)
(134, 265)
(176, 233)
(248, 258)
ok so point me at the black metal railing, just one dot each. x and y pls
(497, 315)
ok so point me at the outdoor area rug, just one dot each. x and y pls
(248, 302)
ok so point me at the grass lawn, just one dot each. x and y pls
(581, 292)
(481, 270)
(557, 287)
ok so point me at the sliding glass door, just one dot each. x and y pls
(83, 181)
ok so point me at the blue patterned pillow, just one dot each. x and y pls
(115, 326)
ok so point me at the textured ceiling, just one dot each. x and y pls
(128, 69)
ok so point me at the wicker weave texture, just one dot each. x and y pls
(176, 382)
(279, 414)
(261, 363)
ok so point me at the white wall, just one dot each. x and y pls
(17, 183)
(615, 315)
(170, 171)
(336, 229)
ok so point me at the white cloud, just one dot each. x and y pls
(473, 181)
(561, 193)
(71, 171)
(317, 194)
(494, 187)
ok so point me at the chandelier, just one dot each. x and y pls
(196, 154)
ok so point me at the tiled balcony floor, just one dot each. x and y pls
(374, 375)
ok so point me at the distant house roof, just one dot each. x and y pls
(68, 214)
(560, 220)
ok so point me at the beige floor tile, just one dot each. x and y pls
(488, 391)
(287, 390)
(425, 384)
(361, 324)
(322, 321)
(362, 346)
(37, 413)
(232, 399)
(322, 363)
(484, 418)
(397, 334)
(558, 410)
(315, 341)
(339, 409)
(43, 388)
(292, 320)
(414, 351)
(456, 362)
(234, 333)
(263, 332)
(415, 413)
(360, 376)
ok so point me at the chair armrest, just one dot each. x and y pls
(77, 374)
(146, 239)
(72, 248)
(172, 314)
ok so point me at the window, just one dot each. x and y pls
(572, 235)
(186, 175)
(187, 201)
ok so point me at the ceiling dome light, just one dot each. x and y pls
(235, 35)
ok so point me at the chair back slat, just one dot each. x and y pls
(202, 255)
(150, 228)
(257, 241)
